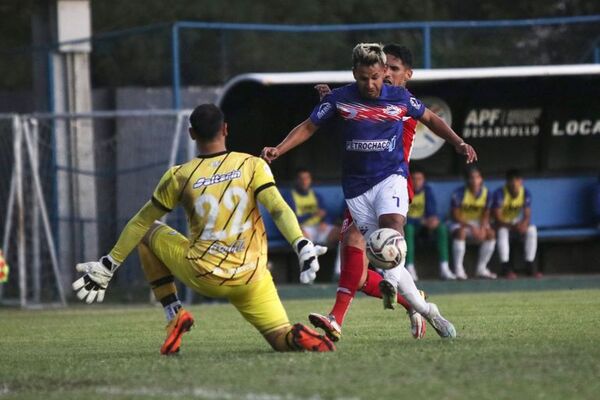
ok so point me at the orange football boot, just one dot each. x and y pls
(180, 324)
(305, 338)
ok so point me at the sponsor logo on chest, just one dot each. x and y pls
(217, 178)
(371, 145)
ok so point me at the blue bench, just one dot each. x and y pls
(333, 197)
(561, 207)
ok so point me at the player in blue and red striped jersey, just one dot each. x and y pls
(354, 273)
(369, 115)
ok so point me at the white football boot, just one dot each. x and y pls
(442, 326)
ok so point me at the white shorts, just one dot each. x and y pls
(389, 196)
(317, 234)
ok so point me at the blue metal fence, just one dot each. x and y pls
(425, 27)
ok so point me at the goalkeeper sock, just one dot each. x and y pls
(371, 288)
(171, 305)
(352, 269)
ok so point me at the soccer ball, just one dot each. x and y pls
(386, 248)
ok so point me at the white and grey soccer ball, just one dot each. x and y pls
(386, 248)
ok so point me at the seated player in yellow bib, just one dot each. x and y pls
(470, 213)
(307, 204)
(308, 207)
(422, 218)
(511, 207)
(225, 254)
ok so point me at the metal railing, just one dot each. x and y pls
(426, 28)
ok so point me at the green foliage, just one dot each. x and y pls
(212, 57)
(519, 345)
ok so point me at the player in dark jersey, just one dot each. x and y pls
(399, 72)
(369, 115)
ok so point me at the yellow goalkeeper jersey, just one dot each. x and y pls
(227, 239)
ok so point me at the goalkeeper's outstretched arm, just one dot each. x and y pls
(135, 230)
(97, 274)
(286, 222)
(282, 214)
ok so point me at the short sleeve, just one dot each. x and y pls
(456, 199)
(497, 198)
(324, 111)
(488, 201)
(166, 194)
(430, 204)
(263, 177)
(415, 108)
(527, 203)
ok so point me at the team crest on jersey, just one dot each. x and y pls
(361, 112)
(217, 178)
(392, 110)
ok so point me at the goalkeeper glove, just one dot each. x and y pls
(93, 284)
(307, 256)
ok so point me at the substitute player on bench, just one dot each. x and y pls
(422, 218)
(511, 208)
(369, 116)
(470, 213)
(226, 253)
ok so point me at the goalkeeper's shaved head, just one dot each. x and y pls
(207, 121)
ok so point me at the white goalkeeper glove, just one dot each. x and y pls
(307, 256)
(93, 284)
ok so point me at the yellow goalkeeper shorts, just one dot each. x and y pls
(258, 302)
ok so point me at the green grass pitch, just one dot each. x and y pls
(519, 345)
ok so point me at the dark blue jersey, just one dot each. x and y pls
(371, 130)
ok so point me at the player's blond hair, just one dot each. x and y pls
(368, 54)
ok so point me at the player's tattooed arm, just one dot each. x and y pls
(297, 136)
(439, 127)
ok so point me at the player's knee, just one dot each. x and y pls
(460, 233)
(148, 236)
(392, 221)
(354, 238)
(532, 230)
(433, 223)
(490, 234)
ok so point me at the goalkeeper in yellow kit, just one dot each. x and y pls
(225, 254)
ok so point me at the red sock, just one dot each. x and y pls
(350, 274)
(371, 288)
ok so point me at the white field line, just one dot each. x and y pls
(204, 393)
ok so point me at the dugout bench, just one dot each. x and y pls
(561, 209)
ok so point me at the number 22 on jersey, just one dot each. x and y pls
(207, 206)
